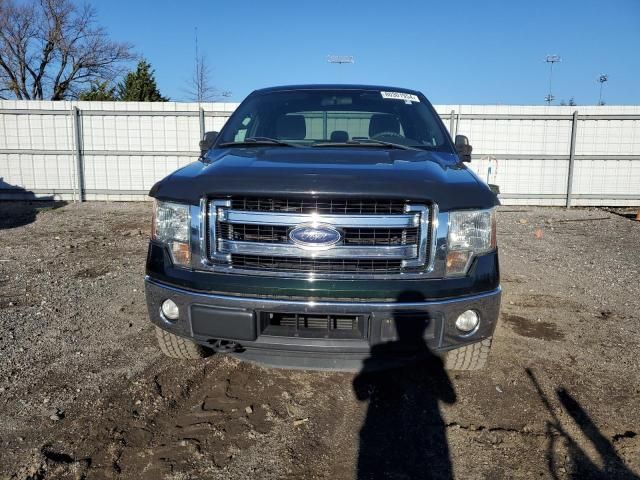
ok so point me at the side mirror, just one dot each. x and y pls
(207, 142)
(463, 148)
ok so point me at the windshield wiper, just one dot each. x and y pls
(255, 141)
(363, 143)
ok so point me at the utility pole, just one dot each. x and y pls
(551, 59)
(602, 78)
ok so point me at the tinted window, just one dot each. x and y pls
(312, 117)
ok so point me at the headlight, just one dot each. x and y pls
(171, 222)
(470, 233)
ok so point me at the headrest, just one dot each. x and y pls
(291, 127)
(339, 136)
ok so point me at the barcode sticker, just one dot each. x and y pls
(407, 97)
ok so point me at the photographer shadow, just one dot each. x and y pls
(404, 435)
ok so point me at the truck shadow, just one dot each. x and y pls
(578, 465)
(404, 434)
(19, 206)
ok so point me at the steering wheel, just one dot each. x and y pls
(387, 134)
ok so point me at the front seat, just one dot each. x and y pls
(291, 127)
(383, 122)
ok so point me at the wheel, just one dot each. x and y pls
(377, 136)
(177, 347)
(469, 357)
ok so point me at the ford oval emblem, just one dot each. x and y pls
(315, 236)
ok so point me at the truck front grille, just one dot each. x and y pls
(243, 232)
(316, 265)
(376, 237)
(345, 206)
(313, 325)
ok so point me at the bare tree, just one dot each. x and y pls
(199, 87)
(54, 49)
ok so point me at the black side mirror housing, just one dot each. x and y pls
(207, 142)
(463, 148)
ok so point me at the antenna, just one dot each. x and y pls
(340, 59)
(196, 35)
(198, 72)
(602, 78)
(551, 59)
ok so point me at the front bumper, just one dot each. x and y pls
(205, 318)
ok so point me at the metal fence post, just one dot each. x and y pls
(202, 127)
(72, 170)
(78, 153)
(572, 156)
(457, 124)
(452, 117)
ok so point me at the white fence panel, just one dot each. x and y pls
(123, 148)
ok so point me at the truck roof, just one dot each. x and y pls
(335, 86)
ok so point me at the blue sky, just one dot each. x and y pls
(461, 51)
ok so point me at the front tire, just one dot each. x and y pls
(177, 347)
(469, 357)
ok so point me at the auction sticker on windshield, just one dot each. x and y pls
(407, 97)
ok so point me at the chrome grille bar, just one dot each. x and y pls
(340, 251)
(423, 220)
(341, 221)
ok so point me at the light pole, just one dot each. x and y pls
(602, 78)
(551, 59)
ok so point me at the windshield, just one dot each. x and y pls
(356, 118)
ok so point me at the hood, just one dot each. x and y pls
(328, 171)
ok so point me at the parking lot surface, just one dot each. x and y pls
(85, 393)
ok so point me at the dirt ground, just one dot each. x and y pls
(85, 393)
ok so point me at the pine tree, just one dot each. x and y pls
(140, 86)
(99, 92)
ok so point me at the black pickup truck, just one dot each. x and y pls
(322, 225)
